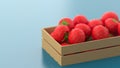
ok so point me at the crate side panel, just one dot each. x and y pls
(90, 56)
(91, 45)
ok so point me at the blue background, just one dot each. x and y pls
(20, 30)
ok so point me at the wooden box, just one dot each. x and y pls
(80, 52)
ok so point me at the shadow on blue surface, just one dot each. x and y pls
(49, 62)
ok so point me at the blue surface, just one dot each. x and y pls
(22, 20)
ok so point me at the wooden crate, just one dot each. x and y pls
(80, 52)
